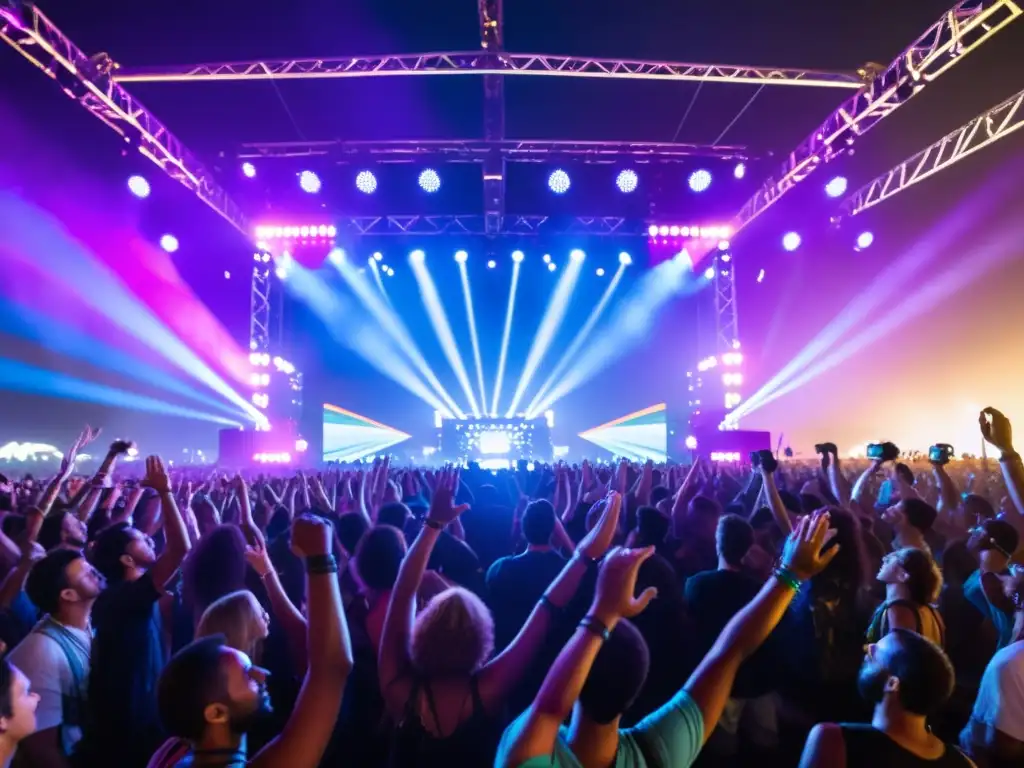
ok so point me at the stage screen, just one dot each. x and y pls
(349, 437)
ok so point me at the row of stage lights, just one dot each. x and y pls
(627, 180)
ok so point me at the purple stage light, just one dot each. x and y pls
(760, 276)
(709, 273)
(169, 243)
(430, 182)
(791, 241)
(627, 180)
(366, 182)
(836, 186)
(700, 180)
(559, 182)
(739, 171)
(309, 182)
(864, 240)
(249, 170)
(139, 186)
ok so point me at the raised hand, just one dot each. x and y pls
(311, 536)
(156, 476)
(802, 553)
(996, 429)
(257, 557)
(600, 538)
(441, 508)
(616, 584)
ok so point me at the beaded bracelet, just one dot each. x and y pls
(591, 624)
(786, 576)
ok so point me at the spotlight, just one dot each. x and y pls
(366, 182)
(739, 171)
(627, 180)
(336, 256)
(517, 256)
(625, 259)
(309, 182)
(491, 264)
(836, 187)
(691, 442)
(139, 186)
(709, 273)
(577, 255)
(700, 180)
(552, 267)
(723, 245)
(169, 243)
(429, 180)
(760, 276)
(378, 256)
(791, 241)
(864, 240)
(227, 275)
(249, 170)
(600, 271)
(547, 258)
(417, 256)
(653, 230)
(558, 182)
(461, 256)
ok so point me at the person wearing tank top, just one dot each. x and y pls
(906, 678)
(912, 584)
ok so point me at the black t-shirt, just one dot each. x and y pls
(868, 747)
(127, 658)
(514, 585)
(713, 598)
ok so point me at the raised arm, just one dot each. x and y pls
(501, 674)
(775, 502)
(176, 542)
(562, 686)
(711, 683)
(996, 429)
(305, 736)
(393, 660)
(292, 621)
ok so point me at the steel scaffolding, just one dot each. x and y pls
(492, 42)
(260, 293)
(37, 39)
(478, 150)
(475, 224)
(984, 130)
(487, 63)
(961, 30)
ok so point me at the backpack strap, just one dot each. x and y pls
(73, 704)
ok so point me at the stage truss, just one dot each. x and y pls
(97, 83)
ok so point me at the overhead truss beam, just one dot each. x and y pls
(89, 81)
(961, 30)
(601, 226)
(486, 63)
(477, 151)
(983, 131)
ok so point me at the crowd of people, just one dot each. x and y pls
(819, 614)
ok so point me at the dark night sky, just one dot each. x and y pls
(215, 117)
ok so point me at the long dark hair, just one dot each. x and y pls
(847, 573)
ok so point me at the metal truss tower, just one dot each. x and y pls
(260, 294)
(492, 33)
(727, 333)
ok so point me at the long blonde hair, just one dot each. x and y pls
(235, 616)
